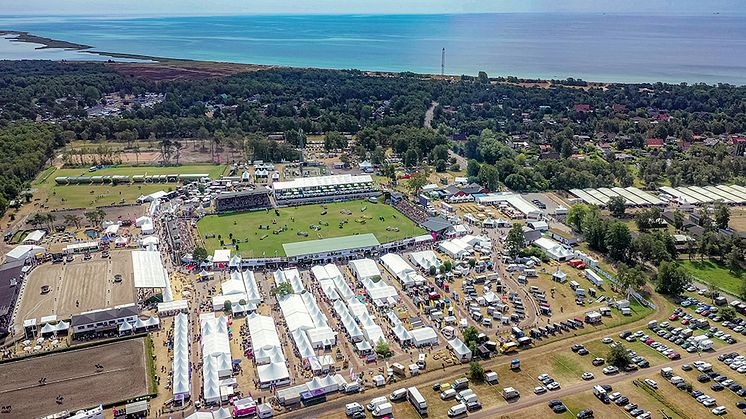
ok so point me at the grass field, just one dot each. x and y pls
(253, 242)
(89, 196)
(712, 272)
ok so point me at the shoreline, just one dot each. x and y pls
(222, 68)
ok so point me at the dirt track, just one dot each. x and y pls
(77, 286)
(73, 375)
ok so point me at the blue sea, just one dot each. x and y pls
(593, 47)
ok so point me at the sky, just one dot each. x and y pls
(112, 8)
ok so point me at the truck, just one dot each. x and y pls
(510, 393)
(508, 347)
(398, 369)
(491, 377)
(666, 372)
(515, 365)
(415, 397)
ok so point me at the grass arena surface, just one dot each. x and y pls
(379, 219)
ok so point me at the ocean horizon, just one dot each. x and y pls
(594, 47)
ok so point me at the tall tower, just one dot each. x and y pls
(443, 62)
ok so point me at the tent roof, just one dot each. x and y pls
(148, 269)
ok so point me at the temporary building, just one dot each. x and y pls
(112, 230)
(321, 337)
(455, 248)
(182, 387)
(291, 276)
(351, 327)
(366, 268)
(424, 336)
(253, 295)
(302, 344)
(220, 258)
(402, 334)
(170, 307)
(148, 269)
(425, 259)
(23, 252)
(402, 270)
(553, 249)
(264, 339)
(34, 237)
(460, 350)
(216, 356)
(140, 221)
(275, 373)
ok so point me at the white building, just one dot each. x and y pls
(553, 249)
(23, 252)
(402, 270)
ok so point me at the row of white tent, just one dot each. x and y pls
(291, 276)
(139, 324)
(367, 272)
(241, 286)
(402, 270)
(268, 354)
(181, 383)
(217, 362)
(332, 282)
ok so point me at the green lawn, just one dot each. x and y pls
(712, 272)
(214, 170)
(253, 242)
(88, 196)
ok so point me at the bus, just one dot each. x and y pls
(419, 402)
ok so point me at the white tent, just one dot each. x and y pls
(125, 327)
(402, 334)
(148, 269)
(424, 336)
(460, 350)
(34, 237)
(216, 355)
(140, 221)
(276, 372)
(321, 337)
(289, 275)
(365, 268)
(252, 291)
(23, 252)
(181, 368)
(425, 259)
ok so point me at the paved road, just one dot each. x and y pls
(428, 379)
(533, 400)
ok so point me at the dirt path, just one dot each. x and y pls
(430, 114)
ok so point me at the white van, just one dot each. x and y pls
(352, 408)
(457, 410)
(375, 402)
(352, 387)
(399, 394)
(382, 409)
(448, 394)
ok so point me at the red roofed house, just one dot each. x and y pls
(582, 107)
(654, 143)
(739, 143)
(662, 117)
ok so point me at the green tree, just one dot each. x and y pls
(417, 181)
(722, 216)
(411, 158)
(227, 306)
(575, 216)
(199, 254)
(383, 350)
(515, 241)
(471, 335)
(728, 313)
(617, 206)
(476, 371)
(489, 177)
(335, 141)
(618, 240)
(441, 166)
(472, 168)
(283, 289)
(483, 77)
(672, 279)
(630, 278)
(618, 356)
(734, 259)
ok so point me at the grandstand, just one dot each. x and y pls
(243, 201)
(324, 189)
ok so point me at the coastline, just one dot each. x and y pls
(44, 43)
